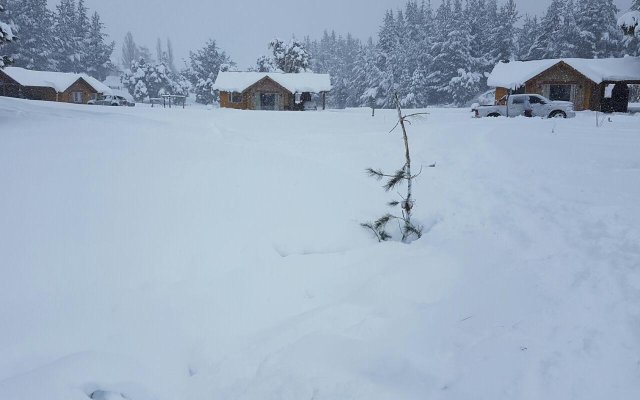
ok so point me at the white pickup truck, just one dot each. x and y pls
(515, 105)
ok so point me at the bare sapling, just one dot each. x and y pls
(408, 229)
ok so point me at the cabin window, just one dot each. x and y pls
(76, 97)
(235, 97)
(560, 92)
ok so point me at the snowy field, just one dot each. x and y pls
(152, 254)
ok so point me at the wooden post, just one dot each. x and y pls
(324, 100)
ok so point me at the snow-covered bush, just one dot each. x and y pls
(153, 80)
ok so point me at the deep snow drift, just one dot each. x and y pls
(151, 254)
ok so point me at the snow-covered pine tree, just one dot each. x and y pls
(452, 61)
(34, 19)
(569, 35)
(365, 73)
(68, 47)
(505, 45)
(6, 36)
(202, 70)
(440, 74)
(599, 36)
(527, 36)
(546, 43)
(490, 25)
(97, 57)
(383, 79)
(473, 15)
(265, 64)
(290, 57)
(412, 75)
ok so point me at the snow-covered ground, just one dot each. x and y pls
(152, 254)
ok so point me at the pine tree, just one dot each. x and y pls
(546, 44)
(97, 59)
(33, 50)
(130, 52)
(66, 42)
(6, 36)
(599, 36)
(506, 33)
(170, 56)
(527, 36)
(203, 68)
(569, 36)
(408, 229)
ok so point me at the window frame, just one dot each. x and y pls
(235, 97)
(77, 97)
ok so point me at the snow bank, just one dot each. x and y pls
(295, 83)
(59, 81)
(162, 254)
(514, 74)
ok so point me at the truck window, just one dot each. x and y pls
(518, 100)
(535, 100)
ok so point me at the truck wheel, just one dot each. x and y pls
(494, 115)
(558, 114)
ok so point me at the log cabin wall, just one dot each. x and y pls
(583, 89)
(251, 96)
(225, 101)
(268, 85)
(87, 92)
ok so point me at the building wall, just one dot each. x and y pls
(583, 88)
(251, 96)
(87, 91)
(226, 103)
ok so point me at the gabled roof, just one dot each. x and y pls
(514, 74)
(295, 83)
(59, 81)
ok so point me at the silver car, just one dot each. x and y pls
(111, 100)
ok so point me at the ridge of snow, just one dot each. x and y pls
(302, 82)
(514, 74)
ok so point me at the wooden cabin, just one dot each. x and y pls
(590, 84)
(49, 86)
(271, 90)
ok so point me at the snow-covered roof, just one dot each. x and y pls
(113, 81)
(514, 74)
(59, 81)
(295, 83)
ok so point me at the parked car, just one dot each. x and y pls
(514, 105)
(111, 100)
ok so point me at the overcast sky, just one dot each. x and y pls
(244, 27)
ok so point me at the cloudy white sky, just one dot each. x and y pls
(243, 27)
